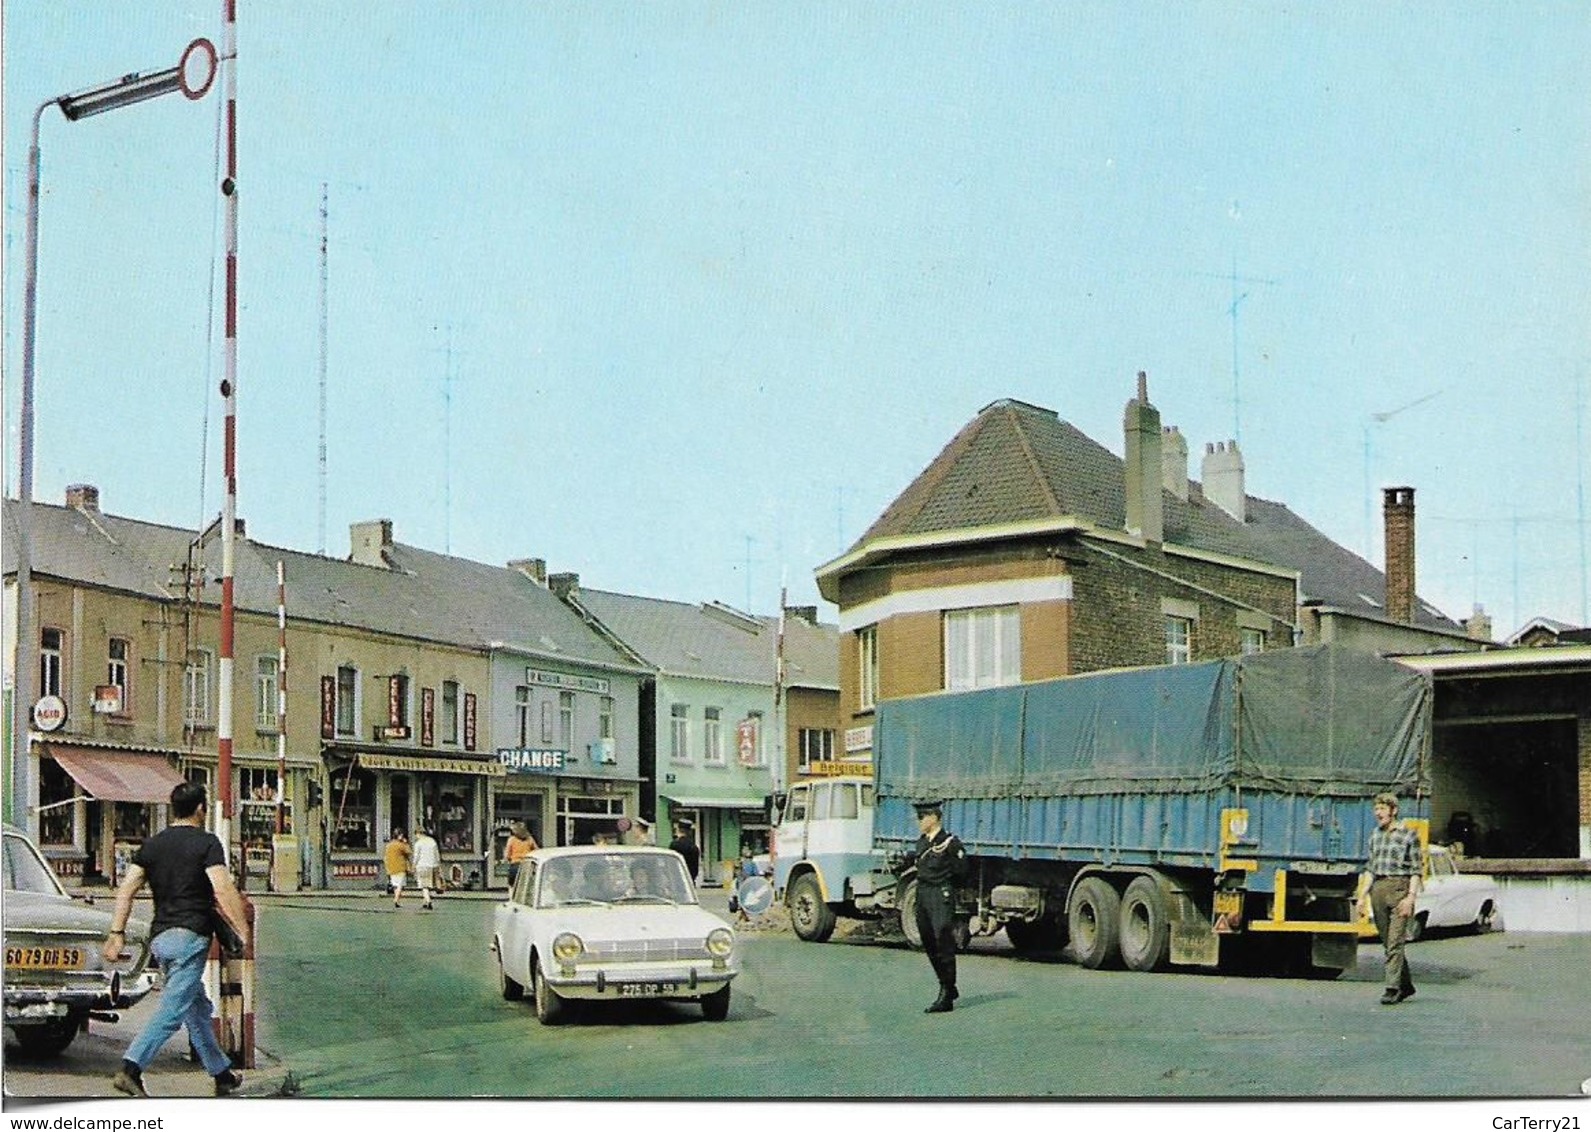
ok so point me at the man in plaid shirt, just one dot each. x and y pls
(1393, 869)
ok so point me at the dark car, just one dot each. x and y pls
(56, 978)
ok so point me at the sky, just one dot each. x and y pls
(679, 296)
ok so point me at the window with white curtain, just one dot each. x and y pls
(983, 647)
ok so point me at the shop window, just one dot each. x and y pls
(583, 820)
(352, 805)
(131, 821)
(56, 791)
(51, 645)
(450, 811)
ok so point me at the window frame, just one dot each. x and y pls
(1179, 652)
(51, 660)
(991, 634)
(1251, 641)
(448, 730)
(807, 757)
(867, 681)
(713, 736)
(266, 703)
(123, 663)
(566, 720)
(351, 699)
(679, 733)
(196, 678)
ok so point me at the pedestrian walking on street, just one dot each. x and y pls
(427, 865)
(941, 862)
(520, 845)
(684, 844)
(397, 859)
(1393, 870)
(185, 868)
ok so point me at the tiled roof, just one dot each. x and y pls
(714, 642)
(425, 596)
(1017, 462)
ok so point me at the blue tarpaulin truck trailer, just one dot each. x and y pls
(1174, 815)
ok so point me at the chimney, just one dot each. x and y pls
(1398, 512)
(1478, 626)
(1174, 462)
(1222, 476)
(83, 497)
(1141, 423)
(370, 542)
(807, 613)
(533, 568)
(564, 585)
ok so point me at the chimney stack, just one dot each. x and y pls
(1222, 475)
(1145, 471)
(807, 613)
(83, 497)
(564, 586)
(369, 543)
(1174, 461)
(1398, 513)
(533, 568)
(1478, 626)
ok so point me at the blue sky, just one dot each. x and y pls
(658, 291)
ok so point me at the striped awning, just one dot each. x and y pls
(117, 776)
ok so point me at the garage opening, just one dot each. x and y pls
(1507, 789)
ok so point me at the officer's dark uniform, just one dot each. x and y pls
(941, 863)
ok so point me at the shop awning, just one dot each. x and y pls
(717, 800)
(431, 765)
(117, 776)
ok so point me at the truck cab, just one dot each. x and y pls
(824, 862)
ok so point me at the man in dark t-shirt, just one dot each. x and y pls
(185, 867)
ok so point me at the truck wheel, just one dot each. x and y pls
(1144, 926)
(47, 1038)
(1094, 917)
(908, 916)
(812, 919)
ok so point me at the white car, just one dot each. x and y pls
(610, 923)
(1453, 899)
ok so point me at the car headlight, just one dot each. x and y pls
(567, 947)
(720, 942)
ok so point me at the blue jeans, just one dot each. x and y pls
(181, 955)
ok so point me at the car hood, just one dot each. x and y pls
(40, 912)
(632, 921)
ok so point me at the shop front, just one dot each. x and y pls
(370, 793)
(562, 808)
(725, 824)
(97, 803)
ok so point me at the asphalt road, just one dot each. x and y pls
(356, 1000)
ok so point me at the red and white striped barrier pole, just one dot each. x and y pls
(229, 390)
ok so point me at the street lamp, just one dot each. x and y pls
(193, 75)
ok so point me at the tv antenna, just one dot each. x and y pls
(1375, 419)
(1236, 280)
